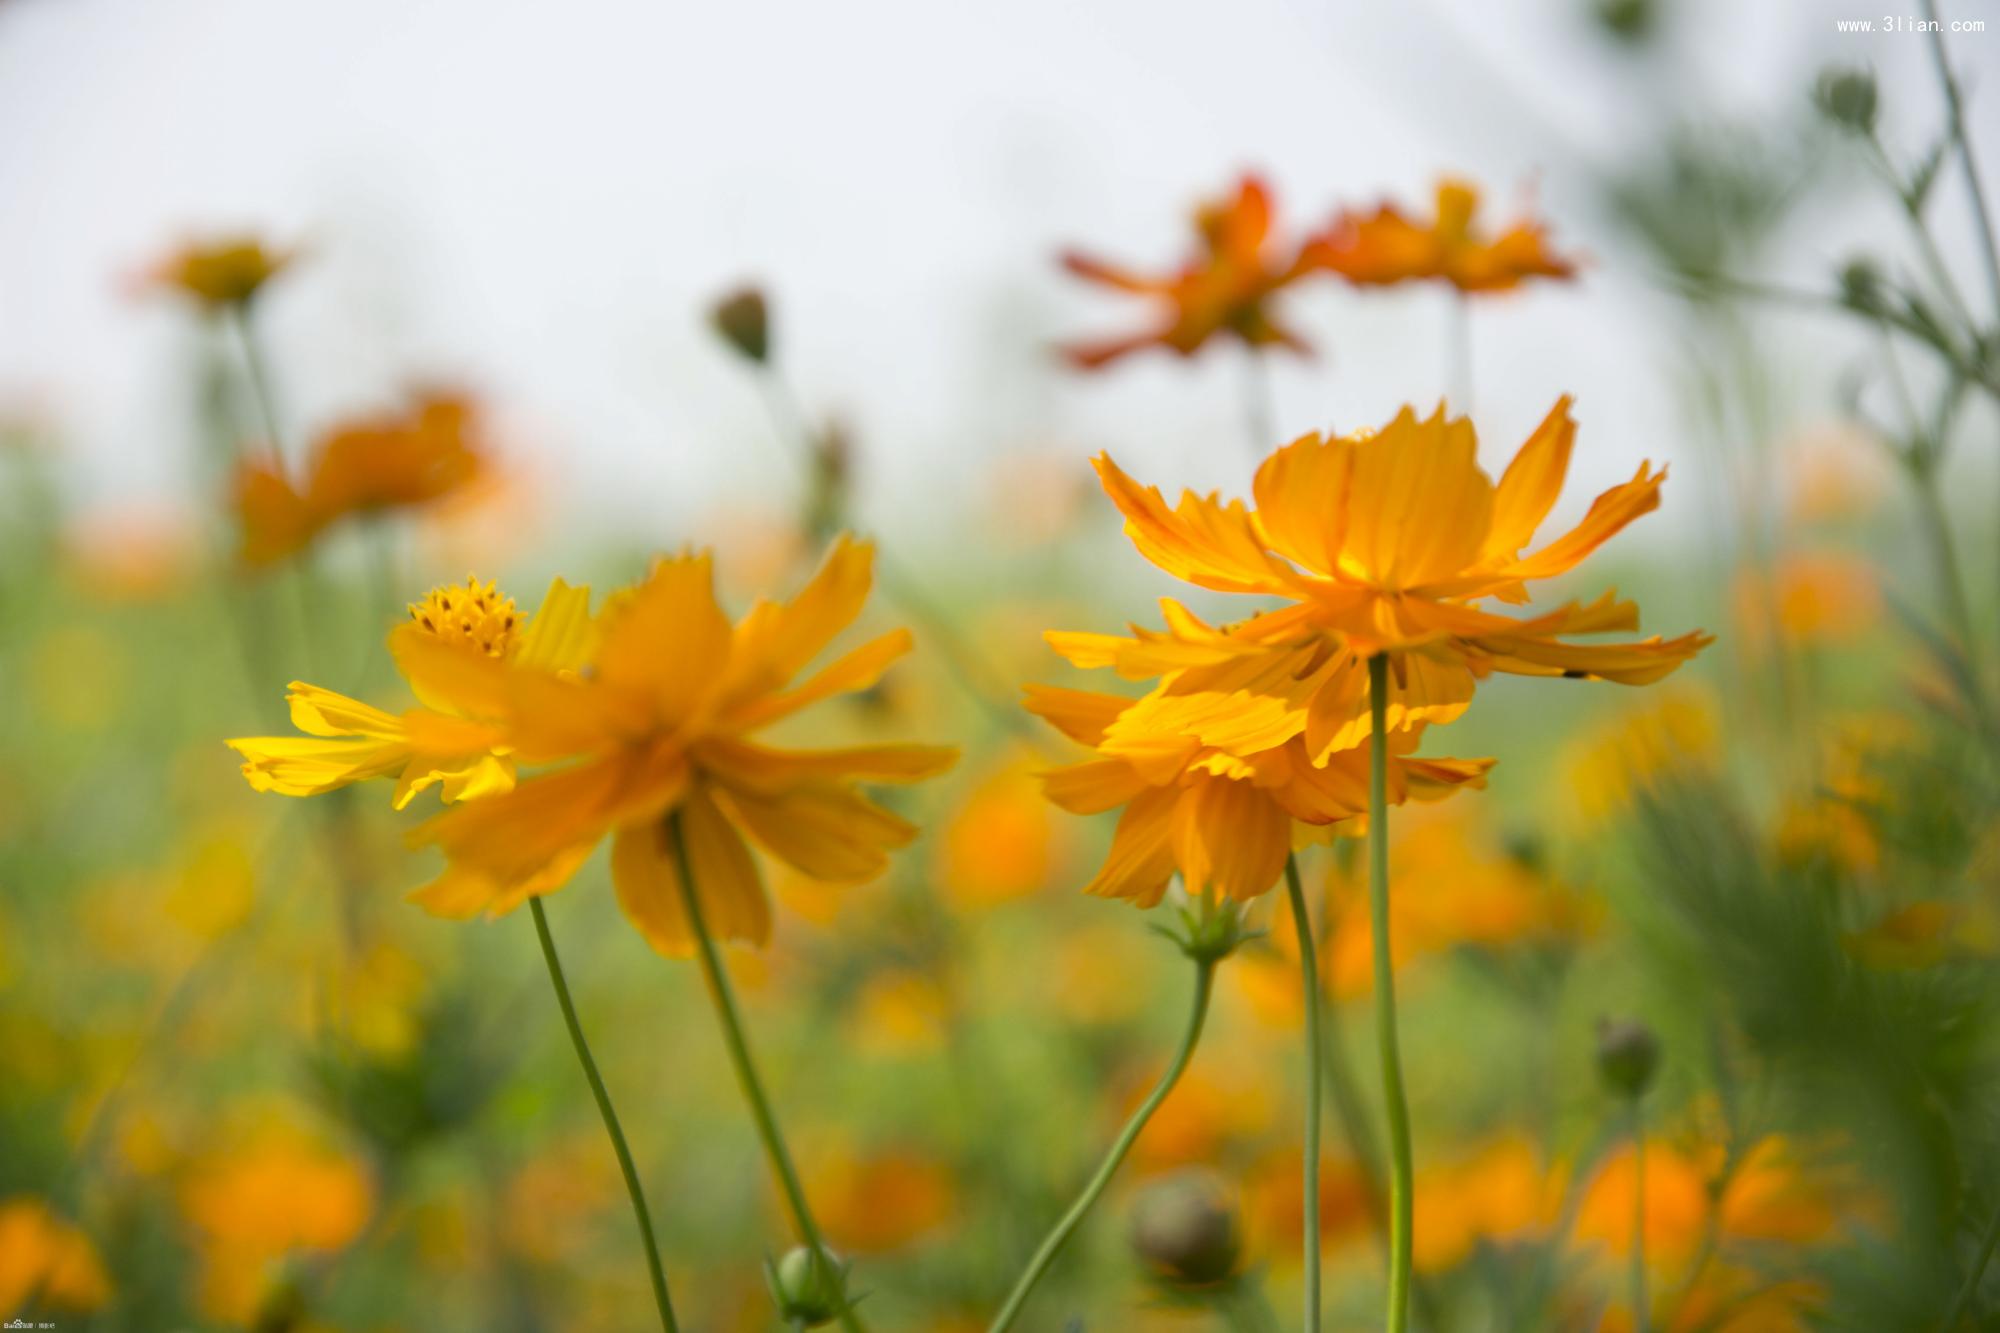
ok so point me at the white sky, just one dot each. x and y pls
(538, 200)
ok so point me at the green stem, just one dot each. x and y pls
(1963, 1301)
(1257, 409)
(604, 1108)
(1955, 110)
(1638, 1278)
(1052, 1244)
(1309, 971)
(1401, 1167)
(746, 1074)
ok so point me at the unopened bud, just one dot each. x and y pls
(1847, 98)
(1861, 287)
(1187, 1228)
(744, 322)
(1628, 1054)
(808, 1287)
(1630, 21)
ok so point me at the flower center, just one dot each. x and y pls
(470, 613)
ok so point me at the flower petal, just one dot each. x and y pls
(646, 874)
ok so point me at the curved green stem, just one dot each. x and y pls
(1309, 971)
(761, 1113)
(1975, 1276)
(1638, 1276)
(611, 1127)
(1401, 1167)
(1052, 1244)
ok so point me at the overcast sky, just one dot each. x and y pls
(537, 200)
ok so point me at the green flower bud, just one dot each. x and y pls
(1628, 1054)
(744, 322)
(1847, 98)
(1861, 287)
(1187, 1229)
(1630, 21)
(810, 1290)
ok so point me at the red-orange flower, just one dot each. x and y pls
(398, 460)
(1226, 287)
(1385, 247)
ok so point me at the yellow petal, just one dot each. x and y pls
(646, 874)
(1081, 715)
(1094, 786)
(1203, 540)
(1531, 483)
(560, 635)
(764, 769)
(778, 639)
(320, 712)
(1140, 864)
(1302, 495)
(1419, 508)
(668, 640)
(1230, 834)
(825, 831)
(297, 766)
(857, 670)
(1609, 513)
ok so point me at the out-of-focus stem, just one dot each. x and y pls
(1963, 1301)
(610, 1116)
(1955, 111)
(1309, 973)
(1051, 1246)
(1401, 1165)
(761, 1113)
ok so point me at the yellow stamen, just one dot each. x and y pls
(471, 613)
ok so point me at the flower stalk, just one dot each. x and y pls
(830, 1272)
(1401, 1166)
(1309, 975)
(610, 1115)
(1206, 945)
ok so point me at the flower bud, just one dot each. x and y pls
(1861, 287)
(809, 1288)
(1187, 1229)
(1630, 21)
(1847, 98)
(1627, 1055)
(744, 322)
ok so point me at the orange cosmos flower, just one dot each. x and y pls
(1386, 247)
(1220, 820)
(219, 274)
(660, 722)
(455, 740)
(402, 460)
(46, 1263)
(1381, 543)
(1225, 288)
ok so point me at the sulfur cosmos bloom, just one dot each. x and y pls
(455, 739)
(1382, 543)
(648, 711)
(398, 460)
(1219, 820)
(1387, 247)
(219, 275)
(1227, 287)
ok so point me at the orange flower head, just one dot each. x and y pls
(404, 460)
(1386, 247)
(221, 274)
(1226, 287)
(47, 1262)
(1219, 820)
(1379, 543)
(642, 715)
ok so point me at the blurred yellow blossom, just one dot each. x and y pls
(874, 1202)
(1000, 844)
(221, 273)
(1673, 733)
(1817, 598)
(1501, 1191)
(47, 1264)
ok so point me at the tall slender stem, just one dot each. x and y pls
(1955, 110)
(1977, 1274)
(1258, 414)
(1309, 973)
(1459, 335)
(1401, 1166)
(1051, 1246)
(604, 1109)
(746, 1074)
(1638, 1276)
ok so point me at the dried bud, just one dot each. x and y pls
(744, 323)
(1627, 1055)
(809, 1289)
(1847, 98)
(1630, 21)
(1187, 1229)
(1861, 287)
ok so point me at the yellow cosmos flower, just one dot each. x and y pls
(659, 723)
(454, 739)
(221, 273)
(1381, 543)
(1219, 820)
